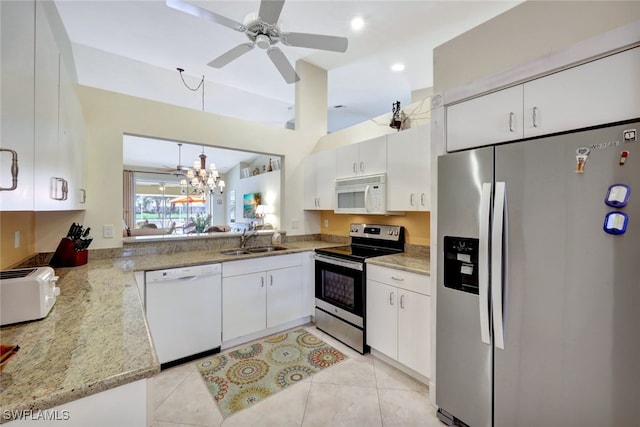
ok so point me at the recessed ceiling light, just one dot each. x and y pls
(397, 67)
(357, 23)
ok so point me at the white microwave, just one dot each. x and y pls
(361, 195)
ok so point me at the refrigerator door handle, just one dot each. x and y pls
(498, 256)
(483, 263)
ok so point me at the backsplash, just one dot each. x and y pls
(417, 224)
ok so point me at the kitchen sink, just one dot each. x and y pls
(265, 249)
(236, 252)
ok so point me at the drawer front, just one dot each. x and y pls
(259, 264)
(399, 278)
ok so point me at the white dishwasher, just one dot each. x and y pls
(184, 311)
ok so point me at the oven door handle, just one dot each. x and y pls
(339, 262)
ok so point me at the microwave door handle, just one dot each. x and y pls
(366, 198)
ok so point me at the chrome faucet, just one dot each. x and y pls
(246, 235)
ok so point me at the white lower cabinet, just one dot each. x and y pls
(260, 293)
(399, 316)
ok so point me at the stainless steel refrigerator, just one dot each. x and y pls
(538, 288)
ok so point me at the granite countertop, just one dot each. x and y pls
(187, 258)
(407, 262)
(96, 336)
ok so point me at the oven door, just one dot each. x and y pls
(340, 288)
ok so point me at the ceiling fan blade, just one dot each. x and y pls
(185, 7)
(315, 41)
(230, 55)
(283, 65)
(270, 11)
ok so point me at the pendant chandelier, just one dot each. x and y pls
(203, 181)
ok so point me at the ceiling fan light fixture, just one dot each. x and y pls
(263, 41)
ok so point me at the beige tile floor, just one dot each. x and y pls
(361, 391)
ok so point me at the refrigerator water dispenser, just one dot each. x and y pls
(461, 264)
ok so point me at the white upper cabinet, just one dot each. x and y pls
(51, 184)
(72, 141)
(496, 117)
(41, 118)
(17, 33)
(319, 180)
(595, 93)
(598, 92)
(409, 169)
(364, 158)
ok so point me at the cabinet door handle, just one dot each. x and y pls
(390, 298)
(361, 166)
(64, 188)
(271, 280)
(422, 199)
(262, 281)
(355, 167)
(511, 121)
(83, 194)
(411, 199)
(402, 301)
(14, 170)
(534, 117)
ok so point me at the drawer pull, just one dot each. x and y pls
(399, 279)
(14, 170)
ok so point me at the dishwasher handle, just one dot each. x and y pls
(183, 273)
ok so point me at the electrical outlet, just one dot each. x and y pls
(16, 239)
(107, 231)
(326, 223)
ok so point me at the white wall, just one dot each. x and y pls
(268, 184)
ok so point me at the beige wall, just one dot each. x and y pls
(525, 33)
(418, 113)
(109, 115)
(24, 223)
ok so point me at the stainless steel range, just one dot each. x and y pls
(341, 281)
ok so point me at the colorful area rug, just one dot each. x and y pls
(239, 378)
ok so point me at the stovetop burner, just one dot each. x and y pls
(369, 241)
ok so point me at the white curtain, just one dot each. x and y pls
(129, 199)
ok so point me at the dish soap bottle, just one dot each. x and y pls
(276, 238)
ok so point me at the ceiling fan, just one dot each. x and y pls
(178, 170)
(263, 31)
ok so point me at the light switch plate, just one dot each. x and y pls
(107, 231)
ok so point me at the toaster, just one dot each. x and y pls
(27, 294)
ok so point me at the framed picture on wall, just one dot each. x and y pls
(250, 203)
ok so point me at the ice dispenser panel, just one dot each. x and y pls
(461, 264)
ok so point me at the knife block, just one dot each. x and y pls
(67, 256)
